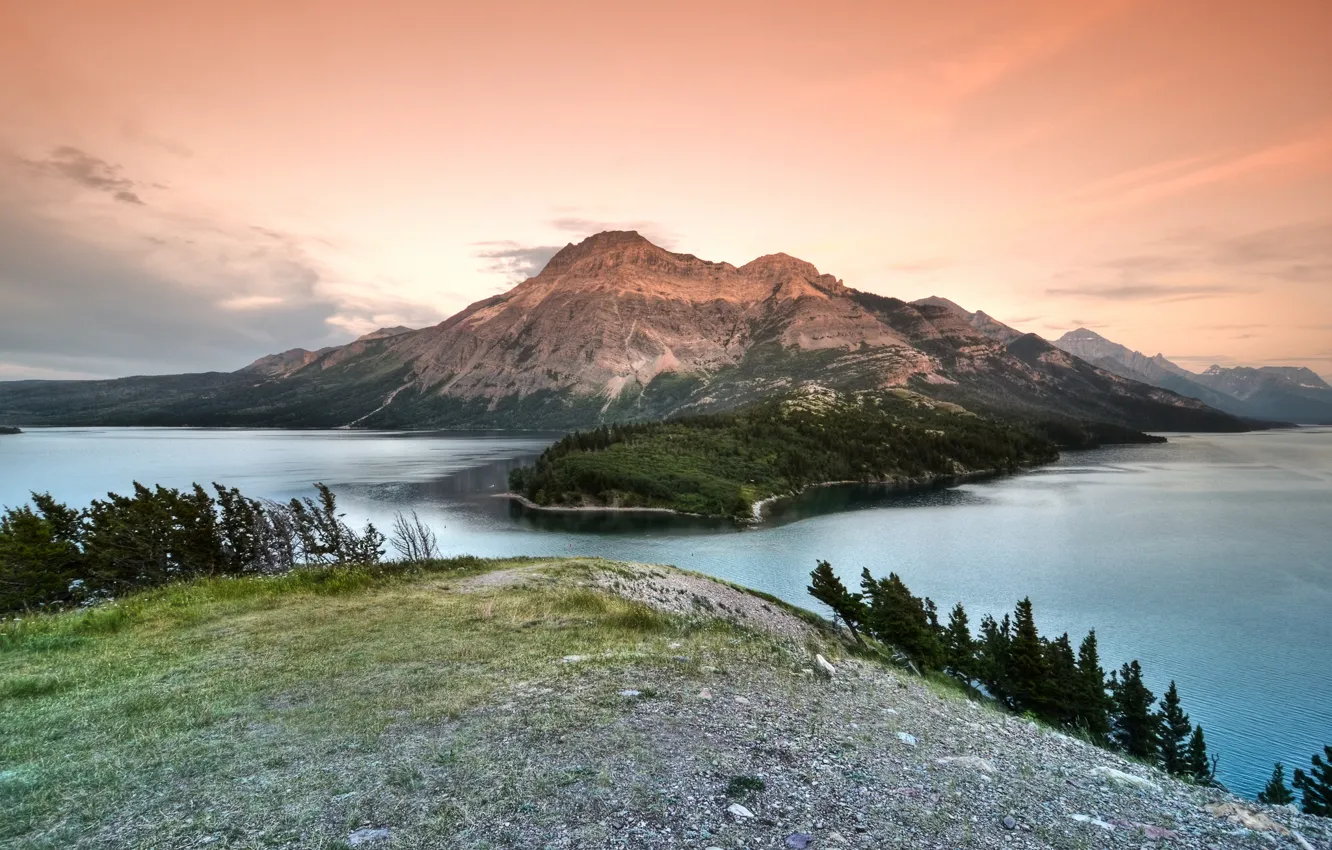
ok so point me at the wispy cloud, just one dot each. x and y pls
(1147, 291)
(90, 172)
(516, 262)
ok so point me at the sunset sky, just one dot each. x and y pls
(187, 186)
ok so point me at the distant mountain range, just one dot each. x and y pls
(1279, 393)
(617, 328)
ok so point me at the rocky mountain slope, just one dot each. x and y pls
(541, 703)
(617, 328)
(1279, 393)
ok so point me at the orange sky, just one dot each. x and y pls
(190, 185)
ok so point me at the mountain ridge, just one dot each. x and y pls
(1278, 393)
(617, 328)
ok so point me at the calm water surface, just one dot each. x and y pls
(1209, 558)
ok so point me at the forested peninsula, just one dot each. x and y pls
(725, 464)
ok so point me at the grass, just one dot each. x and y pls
(254, 711)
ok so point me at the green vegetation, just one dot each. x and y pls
(53, 555)
(1022, 671)
(284, 710)
(1316, 787)
(1276, 793)
(721, 464)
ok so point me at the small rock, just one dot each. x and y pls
(706, 693)
(1109, 827)
(742, 700)
(1247, 818)
(630, 692)
(836, 838)
(823, 667)
(970, 762)
(739, 811)
(1155, 833)
(799, 840)
(573, 659)
(368, 835)
(1009, 822)
(907, 738)
(1121, 778)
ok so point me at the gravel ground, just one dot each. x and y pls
(654, 748)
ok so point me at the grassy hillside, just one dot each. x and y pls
(527, 703)
(721, 464)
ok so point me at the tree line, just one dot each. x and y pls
(721, 463)
(1046, 679)
(53, 555)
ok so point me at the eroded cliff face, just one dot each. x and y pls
(613, 312)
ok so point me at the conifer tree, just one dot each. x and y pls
(1199, 767)
(1059, 697)
(1135, 726)
(1175, 729)
(898, 618)
(1316, 787)
(995, 645)
(1094, 705)
(1026, 665)
(959, 645)
(1276, 793)
(826, 587)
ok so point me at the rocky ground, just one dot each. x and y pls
(850, 755)
(540, 704)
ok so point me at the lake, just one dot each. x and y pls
(1208, 558)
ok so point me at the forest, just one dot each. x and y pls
(721, 464)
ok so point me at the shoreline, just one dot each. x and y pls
(761, 506)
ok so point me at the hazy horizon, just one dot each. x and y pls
(186, 188)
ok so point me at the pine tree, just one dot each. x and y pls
(826, 587)
(1026, 660)
(1316, 788)
(1276, 793)
(995, 646)
(1175, 729)
(1198, 766)
(900, 619)
(1059, 696)
(959, 645)
(1094, 705)
(1135, 726)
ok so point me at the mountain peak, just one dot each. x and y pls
(1082, 335)
(384, 333)
(940, 301)
(610, 247)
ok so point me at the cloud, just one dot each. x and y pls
(147, 290)
(88, 171)
(516, 262)
(1147, 291)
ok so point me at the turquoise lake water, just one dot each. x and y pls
(1208, 558)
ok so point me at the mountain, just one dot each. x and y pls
(1278, 393)
(617, 328)
(1291, 393)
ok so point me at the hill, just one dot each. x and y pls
(529, 703)
(728, 464)
(616, 328)
(1272, 393)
